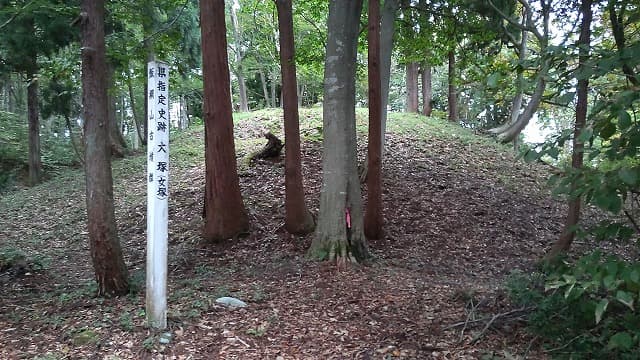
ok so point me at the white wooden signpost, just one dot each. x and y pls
(157, 193)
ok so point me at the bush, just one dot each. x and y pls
(584, 310)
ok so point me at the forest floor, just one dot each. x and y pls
(461, 215)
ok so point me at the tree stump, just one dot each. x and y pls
(271, 150)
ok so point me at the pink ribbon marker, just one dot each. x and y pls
(347, 215)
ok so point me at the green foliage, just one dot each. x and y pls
(13, 147)
(586, 309)
(12, 257)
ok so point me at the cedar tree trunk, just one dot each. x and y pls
(224, 212)
(35, 161)
(339, 234)
(427, 91)
(298, 219)
(412, 87)
(452, 98)
(373, 218)
(108, 264)
(387, 28)
(573, 215)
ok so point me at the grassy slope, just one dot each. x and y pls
(47, 223)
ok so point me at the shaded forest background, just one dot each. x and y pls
(564, 68)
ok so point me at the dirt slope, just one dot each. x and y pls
(460, 213)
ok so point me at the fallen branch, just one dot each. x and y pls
(490, 320)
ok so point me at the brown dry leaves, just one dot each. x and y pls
(457, 220)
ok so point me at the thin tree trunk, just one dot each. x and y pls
(274, 101)
(298, 219)
(373, 219)
(452, 98)
(412, 87)
(427, 91)
(339, 234)
(108, 263)
(148, 25)
(184, 121)
(75, 146)
(517, 99)
(224, 213)
(136, 116)
(300, 93)
(35, 161)
(573, 215)
(387, 29)
(265, 91)
(617, 28)
(242, 87)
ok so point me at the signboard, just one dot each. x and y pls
(157, 192)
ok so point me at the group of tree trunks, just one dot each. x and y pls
(341, 229)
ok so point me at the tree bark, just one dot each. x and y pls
(242, 86)
(573, 215)
(373, 219)
(617, 28)
(339, 234)
(224, 212)
(274, 97)
(412, 87)
(183, 119)
(148, 25)
(136, 116)
(75, 146)
(108, 263)
(387, 29)
(298, 219)
(35, 160)
(427, 91)
(118, 143)
(452, 98)
(265, 91)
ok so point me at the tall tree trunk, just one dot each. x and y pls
(75, 146)
(298, 219)
(387, 29)
(108, 263)
(573, 215)
(412, 87)
(339, 234)
(136, 117)
(224, 213)
(265, 91)
(118, 144)
(148, 25)
(242, 86)
(617, 27)
(35, 161)
(427, 91)
(517, 99)
(274, 77)
(183, 120)
(373, 219)
(300, 93)
(452, 98)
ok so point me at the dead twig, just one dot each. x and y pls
(488, 321)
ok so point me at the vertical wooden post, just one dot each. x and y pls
(157, 193)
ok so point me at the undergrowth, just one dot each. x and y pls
(584, 309)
